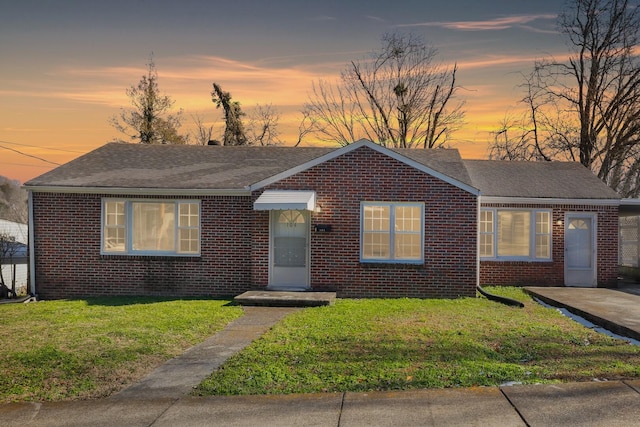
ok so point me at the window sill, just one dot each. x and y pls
(391, 262)
(149, 256)
(521, 260)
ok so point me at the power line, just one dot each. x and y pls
(25, 165)
(44, 148)
(30, 155)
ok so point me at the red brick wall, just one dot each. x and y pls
(235, 240)
(521, 273)
(69, 264)
(449, 269)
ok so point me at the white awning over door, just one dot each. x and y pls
(285, 199)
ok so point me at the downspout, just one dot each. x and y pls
(479, 205)
(492, 297)
(32, 258)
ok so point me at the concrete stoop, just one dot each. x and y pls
(286, 299)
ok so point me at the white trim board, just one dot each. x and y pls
(547, 201)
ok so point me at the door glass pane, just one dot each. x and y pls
(290, 239)
(579, 250)
(290, 251)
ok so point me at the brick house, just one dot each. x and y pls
(362, 220)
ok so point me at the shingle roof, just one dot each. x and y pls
(177, 167)
(556, 180)
(445, 161)
(118, 165)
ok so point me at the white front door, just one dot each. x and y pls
(289, 254)
(580, 250)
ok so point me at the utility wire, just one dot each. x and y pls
(30, 155)
(43, 148)
(25, 165)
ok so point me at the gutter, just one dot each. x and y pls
(138, 191)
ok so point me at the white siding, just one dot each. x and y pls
(21, 233)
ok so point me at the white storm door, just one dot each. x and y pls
(580, 250)
(289, 260)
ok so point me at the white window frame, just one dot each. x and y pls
(532, 235)
(392, 259)
(128, 227)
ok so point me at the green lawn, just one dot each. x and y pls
(363, 345)
(55, 350)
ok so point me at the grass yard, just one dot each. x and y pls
(363, 345)
(56, 350)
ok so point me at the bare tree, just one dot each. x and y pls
(400, 97)
(308, 125)
(263, 126)
(586, 108)
(150, 120)
(203, 133)
(13, 201)
(234, 133)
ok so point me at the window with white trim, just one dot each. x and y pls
(515, 234)
(486, 234)
(148, 227)
(392, 232)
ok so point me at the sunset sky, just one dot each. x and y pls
(65, 65)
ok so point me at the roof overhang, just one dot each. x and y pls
(547, 201)
(122, 191)
(629, 207)
(285, 199)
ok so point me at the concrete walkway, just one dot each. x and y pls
(162, 398)
(615, 310)
(180, 375)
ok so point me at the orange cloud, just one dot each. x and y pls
(488, 25)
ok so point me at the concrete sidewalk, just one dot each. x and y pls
(161, 398)
(600, 404)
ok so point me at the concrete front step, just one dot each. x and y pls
(286, 299)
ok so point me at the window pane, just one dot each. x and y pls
(543, 223)
(543, 234)
(114, 213)
(114, 227)
(189, 215)
(542, 246)
(486, 245)
(486, 221)
(189, 241)
(153, 226)
(114, 239)
(514, 233)
(408, 218)
(376, 218)
(376, 246)
(408, 246)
